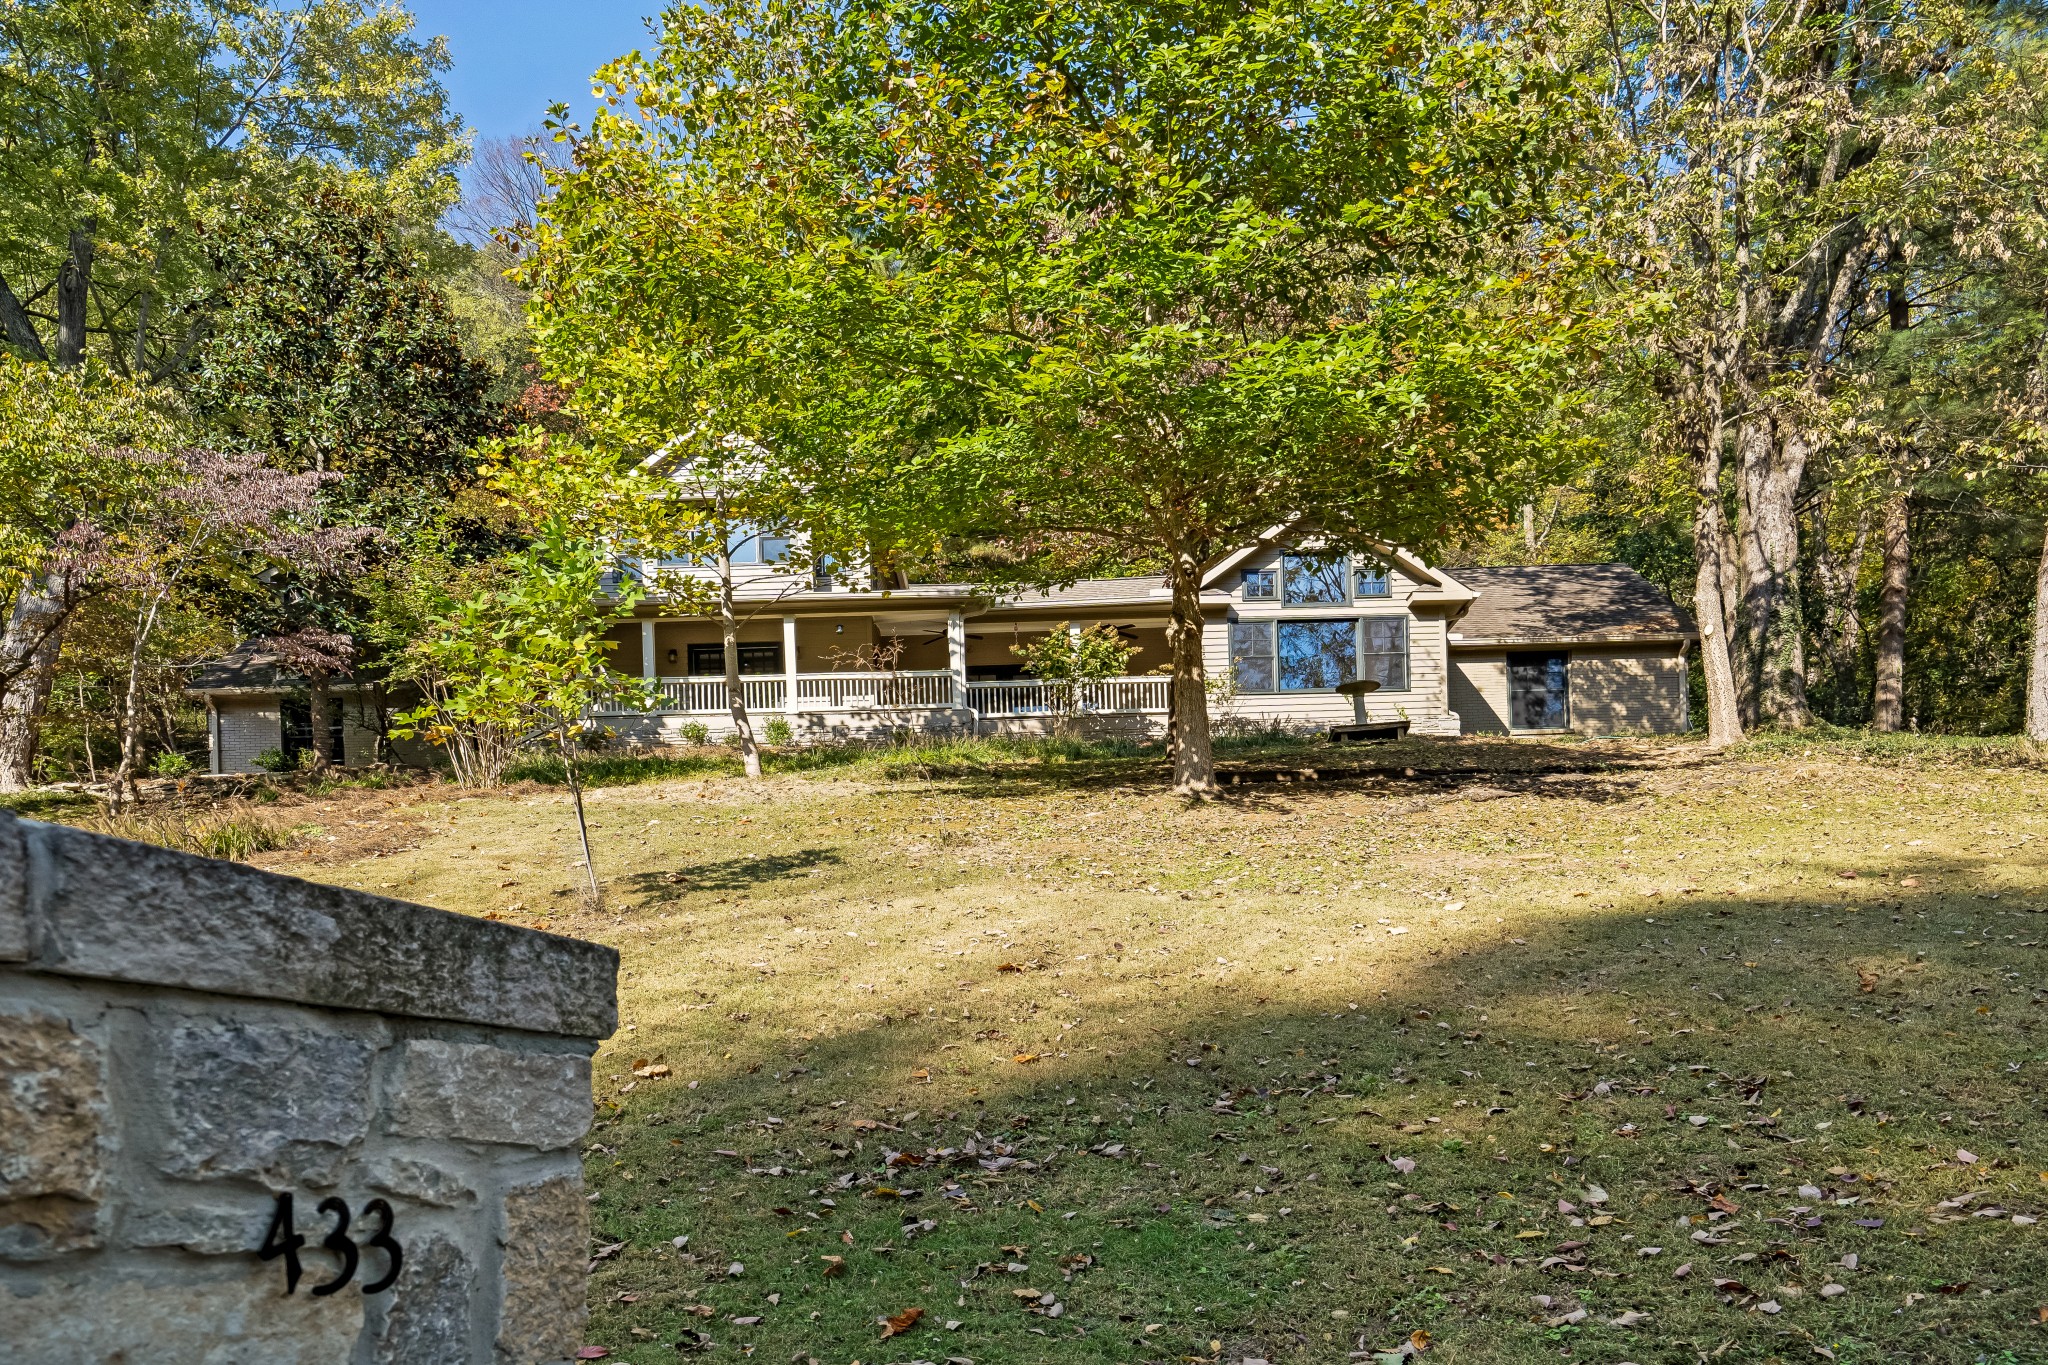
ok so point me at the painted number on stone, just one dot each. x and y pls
(283, 1239)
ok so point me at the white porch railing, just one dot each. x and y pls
(708, 695)
(881, 691)
(917, 691)
(1030, 697)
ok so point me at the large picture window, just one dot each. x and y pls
(1313, 579)
(1317, 655)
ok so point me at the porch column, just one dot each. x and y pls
(789, 664)
(647, 667)
(956, 654)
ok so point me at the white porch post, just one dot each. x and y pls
(956, 654)
(648, 670)
(789, 664)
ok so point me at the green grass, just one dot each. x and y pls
(1900, 747)
(1230, 1050)
(234, 830)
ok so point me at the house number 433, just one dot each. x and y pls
(284, 1240)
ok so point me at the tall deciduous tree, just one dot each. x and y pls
(120, 118)
(1795, 166)
(1143, 279)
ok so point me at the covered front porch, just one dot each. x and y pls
(881, 673)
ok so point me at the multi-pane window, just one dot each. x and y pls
(1383, 651)
(1313, 579)
(756, 660)
(1251, 655)
(1369, 579)
(1318, 654)
(1261, 585)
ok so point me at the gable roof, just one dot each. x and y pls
(253, 667)
(1567, 603)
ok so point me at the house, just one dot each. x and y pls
(1584, 648)
(255, 704)
(1591, 649)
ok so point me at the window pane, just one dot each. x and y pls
(1316, 654)
(1251, 655)
(745, 546)
(1371, 579)
(774, 548)
(1260, 584)
(1385, 659)
(1311, 578)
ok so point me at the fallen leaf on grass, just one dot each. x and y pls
(591, 1353)
(1023, 1057)
(1830, 1291)
(897, 1324)
(834, 1265)
(1866, 982)
(1628, 1319)
(654, 1072)
(1402, 1164)
(1008, 967)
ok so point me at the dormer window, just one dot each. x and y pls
(1261, 585)
(1370, 579)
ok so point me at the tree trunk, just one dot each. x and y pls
(28, 668)
(1772, 461)
(568, 747)
(17, 328)
(2037, 671)
(1843, 619)
(320, 709)
(735, 695)
(74, 291)
(1709, 540)
(1194, 756)
(1888, 710)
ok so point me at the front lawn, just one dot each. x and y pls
(1591, 1051)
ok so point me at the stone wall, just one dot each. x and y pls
(184, 1043)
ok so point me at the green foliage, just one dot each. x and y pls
(171, 763)
(123, 120)
(1076, 656)
(525, 657)
(694, 731)
(274, 761)
(55, 478)
(332, 350)
(777, 731)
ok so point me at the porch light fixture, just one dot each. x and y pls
(671, 656)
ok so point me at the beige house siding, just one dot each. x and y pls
(1615, 689)
(244, 727)
(1479, 692)
(1623, 690)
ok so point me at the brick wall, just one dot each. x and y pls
(244, 728)
(183, 1041)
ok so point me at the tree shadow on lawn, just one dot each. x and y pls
(726, 874)
(1426, 766)
(1759, 1087)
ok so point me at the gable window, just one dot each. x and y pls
(1316, 655)
(1383, 651)
(1261, 585)
(761, 660)
(1311, 579)
(1370, 579)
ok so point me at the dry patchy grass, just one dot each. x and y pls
(1591, 1051)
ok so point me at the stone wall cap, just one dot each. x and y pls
(73, 903)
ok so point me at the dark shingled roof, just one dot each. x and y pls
(250, 667)
(1567, 602)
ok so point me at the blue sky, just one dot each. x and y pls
(513, 57)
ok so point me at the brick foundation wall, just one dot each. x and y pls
(184, 1041)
